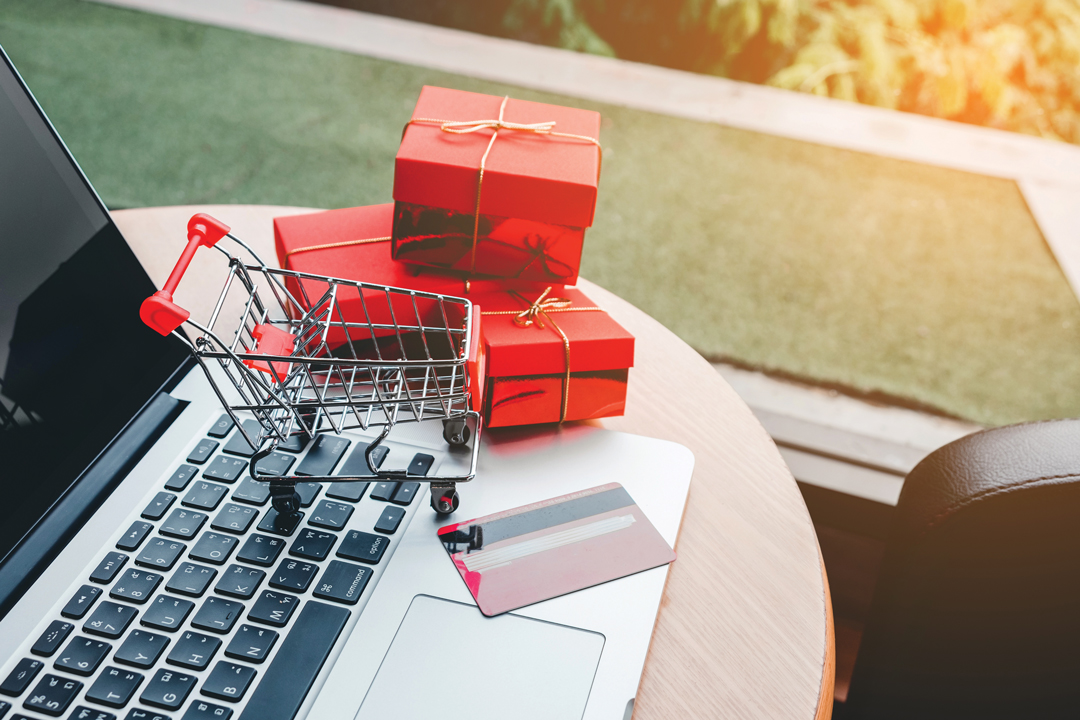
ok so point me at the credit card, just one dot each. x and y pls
(550, 548)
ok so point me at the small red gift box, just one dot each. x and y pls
(353, 244)
(513, 205)
(552, 358)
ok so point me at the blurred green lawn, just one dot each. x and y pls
(881, 276)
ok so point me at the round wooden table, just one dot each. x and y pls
(745, 625)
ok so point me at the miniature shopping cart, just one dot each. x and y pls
(306, 354)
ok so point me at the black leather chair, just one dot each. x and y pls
(976, 613)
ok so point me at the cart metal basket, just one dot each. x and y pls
(306, 354)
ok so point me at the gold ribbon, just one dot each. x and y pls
(537, 312)
(349, 243)
(327, 246)
(464, 127)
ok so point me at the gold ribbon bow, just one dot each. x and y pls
(463, 127)
(536, 314)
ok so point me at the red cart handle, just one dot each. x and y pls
(159, 311)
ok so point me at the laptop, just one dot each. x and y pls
(140, 578)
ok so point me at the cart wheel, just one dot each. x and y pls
(456, 432)
(444, 500)
(287, 504)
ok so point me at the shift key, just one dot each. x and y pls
(323, 456)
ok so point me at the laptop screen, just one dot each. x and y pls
(76, 364)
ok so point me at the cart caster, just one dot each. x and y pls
(456, 432)
(444, 500)
(286, 503)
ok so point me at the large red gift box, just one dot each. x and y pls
(527, 358)
(353, 244)
(527, 210)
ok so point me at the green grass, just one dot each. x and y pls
(877, 275)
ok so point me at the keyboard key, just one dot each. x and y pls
(114, 687)
(217, 615)
(191, 579)
(342, 582)
(204, 495)
(214, 548)
(181, 478)
(52, 695)
(159, 506)
(20, 678)
(405, 493)
(276, 464)
(161, 553)
(136, 585)
(356, 465)
(289, 677)
(222, 427)
(351, 491)
(420, 464)
(81, 601)
(140, 714)
(252, 492)
(200, 710)
(362, 546)
(390, 519)
(226, 469)
(110, 619)
(295, 443)
(51, 639)
(293, 575)
(108, 567)
(307, 492)
(141, 649)
(331, 515)
(324, 454)
(235, 518)
(183, 523)
(239, 581)
(312, 544)
(202, 451)
(134, 536)
(273, 608)
(228, 681)
(81, 712)
(167, 689)
(82, 655)
(4, 708)
(251, 643)
(285, 525)
(238, 444)
(194, 651)
(167, 613)
(261, 550)
(383, 491)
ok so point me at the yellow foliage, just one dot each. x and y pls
(1012, 64)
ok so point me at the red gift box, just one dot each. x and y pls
(534, 376)
(513, 206)
(353, 244)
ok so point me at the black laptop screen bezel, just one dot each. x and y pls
(159, 373)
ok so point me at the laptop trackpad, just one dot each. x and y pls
(448, 661)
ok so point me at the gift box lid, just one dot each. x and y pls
(368, 262)
(527, 175)
(597, 342)
(296, 232)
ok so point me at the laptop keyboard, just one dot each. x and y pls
(210, 604)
